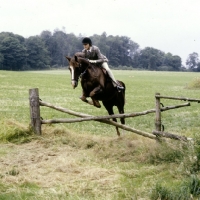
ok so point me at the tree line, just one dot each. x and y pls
(48, 50)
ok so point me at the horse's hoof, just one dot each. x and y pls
(97, 104)
(83, 98)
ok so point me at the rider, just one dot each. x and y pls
(94, 55)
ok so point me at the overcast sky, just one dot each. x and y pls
(167, 25)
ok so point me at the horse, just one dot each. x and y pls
(96, 84)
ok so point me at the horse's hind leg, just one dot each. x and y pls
(121, 111)
(117, 129)
(110, 112)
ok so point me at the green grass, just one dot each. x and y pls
(55, 87)
(87, 160)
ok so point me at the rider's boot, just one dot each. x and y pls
(116, 84)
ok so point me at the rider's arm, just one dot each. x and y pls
(100, 57)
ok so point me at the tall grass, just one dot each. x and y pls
(194, 84)
(87, 160)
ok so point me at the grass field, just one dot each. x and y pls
(87, 160)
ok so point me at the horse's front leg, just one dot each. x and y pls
(96, 90)
(87, 101)
(94, 102)
(121, 111)
(84, 99)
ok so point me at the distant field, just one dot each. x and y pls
(87, 161)
(54, 87)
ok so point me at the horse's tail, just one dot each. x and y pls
(123, 91)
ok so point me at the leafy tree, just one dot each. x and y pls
(172, 62)
(38, 55)
(118, 50)
(13, 52)
(60, 46)
(74, 44)
(136, 59)
(38, 52)
(64, 44)
(192, 60)
(176, 63)
(1, 60)
(151, 58)
(46, 36)
(198, 67)
(168, 59)
(102, 42)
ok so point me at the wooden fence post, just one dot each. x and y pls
(158, 113)
(35, 110)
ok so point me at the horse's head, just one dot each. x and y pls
(77, 65)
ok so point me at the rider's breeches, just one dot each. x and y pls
(105, 66)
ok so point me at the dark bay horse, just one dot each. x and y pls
(97, 85)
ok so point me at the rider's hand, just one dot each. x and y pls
(92, 61)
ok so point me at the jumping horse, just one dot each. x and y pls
(96, 84)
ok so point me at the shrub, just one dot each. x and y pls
(194, 84)
(186, 190)
(165, 152)
(12, 131)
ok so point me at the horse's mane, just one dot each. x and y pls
(80, 54)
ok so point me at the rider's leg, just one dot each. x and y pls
(115, 83)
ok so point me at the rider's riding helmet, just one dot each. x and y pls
(87, 40)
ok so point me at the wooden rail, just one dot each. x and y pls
(177, 98)
(100, 119)
(36, 121)
(95, 118)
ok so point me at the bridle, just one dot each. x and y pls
(81, 74)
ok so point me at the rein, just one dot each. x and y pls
(84, 72)
(81, 75)
(95, 70)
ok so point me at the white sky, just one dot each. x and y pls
(167, 25)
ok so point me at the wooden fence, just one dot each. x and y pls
(36, 120)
